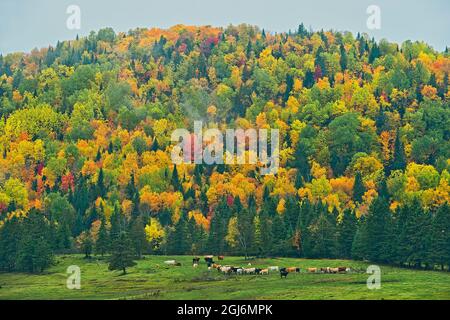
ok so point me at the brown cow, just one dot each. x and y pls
(312, 270)
(264, 271)
(220, 257)
(293, 270)
(342, 269)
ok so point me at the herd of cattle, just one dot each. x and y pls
(256, 271)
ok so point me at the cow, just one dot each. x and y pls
(170, 262)
(225, 270)
(342, 269)
(333, 270)
(325, 270)
(274, 268)
(264, 271)
(196, 260)
(249, 271)
(209, 259)
(293, 270)
(234, 270)
(239, 271)
(283, 273)
(257, 270)
(312, 270)
(216, 266)
(220, 257)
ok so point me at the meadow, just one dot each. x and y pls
(152, 279)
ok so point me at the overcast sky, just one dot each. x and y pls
(26, 24)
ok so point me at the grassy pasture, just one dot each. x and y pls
(151, 279)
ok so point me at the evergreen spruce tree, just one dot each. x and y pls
(137, 236)
(440, 237)
(399, 158)
(379, 231)
(323, 238)
(102, 245)
(346, 230)
(343, 58)
(175, 180)
(34, 252)
(358, 188)
(101, 189)
(86, 244)
(122, 254)
(219, 228)
(179, 239)
(360, 242)
(116, 223)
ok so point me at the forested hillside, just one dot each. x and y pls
(364, 147)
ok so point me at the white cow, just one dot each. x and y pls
(274, 268)
(170, 262)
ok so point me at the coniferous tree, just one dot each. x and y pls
(219, 228)
(137, 236)
(399, 157)
(360, 242)
(346, 230)
(122, 254)
(102, 245)
(323, 238)
(179, 239)
(175, 180)
(34, 252)
(86, 244)
(379, 233)
(358, 188)
(440, 237)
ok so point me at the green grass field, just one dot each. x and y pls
(151, 279)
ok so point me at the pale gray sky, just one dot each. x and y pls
(26, 24)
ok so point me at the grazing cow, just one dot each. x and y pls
(312, 270)
(249, 271)
(225, 270)
(196, 260)
(220, 257)
(274, 269)
(264, 271)
(324, 270)
(283, 273)
(334, 270)
(209, 259)
(293, 270)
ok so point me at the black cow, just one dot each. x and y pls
(283, 273)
